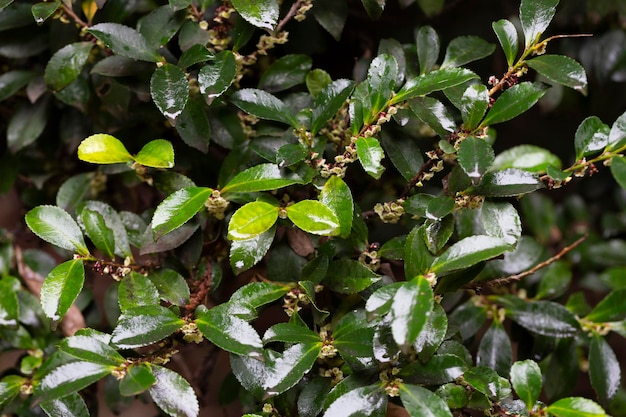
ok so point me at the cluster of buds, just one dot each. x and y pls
(243, 61)
(305, 6)
(247, 122)
(384, 117)
(469, 201)
(117, 272)
(390, 212)
(431, 278)
(370, 257)
(267, 42)
(554, 184)
(292, 301)
(191, 333)
(216, 205)
(391, 381)
(335, 373)
(121, 371)
(268, 408)
(328, 350)
(218, 34)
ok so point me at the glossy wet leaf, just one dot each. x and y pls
(575, 407)
(526, 381)
(427, 42)
(465, 49)
(91, 349)
(370, 155)
(262, 14)
(434, 113)
(513, 102)
(157, 153)
(382, 75)
(178, 208)
(9, 388)
(173, 394)
(410, 308)
(111, 221)
(379, 303)
(125, 41)
(138, 379)
(508, 38)
(291, 366)
(136, 290)
(261, 177)
(535, 16)
(544, 317)
(555, 280)
(313, 217)
(617, 134)
(468, 252)
(102, 148)
(417, 257)
(433, 333)
(229, 332)
(440, 369)
(61, 287)
(591, 137)
(361, 401)
(561, 70)
(66, 64)
(290, 333)
(474, 104)
(527, 157)
(509, 182)
(169, 89)
(332, 16)
(246, 253)
(501, 220)
(336, 195)
(433, 81)
(475, 156)
(9, 304)
(311, 398)
(55, 226)
(71, 405)
(610, 308)
(215, 77)
(195, 54)
(328, 102)
(27, 124)
(495, 349)
(257, 294)
(13, 81)
(404, 154)
(618, 170)
(251, 220)
(486, 381)
(264, 105)
(144, 325)
(69, 378)
(347, 276)
(42, 11)
(420, 402)
(604, 369)
(98, 232)
(286, 72)
(291, 154)
(374, 8)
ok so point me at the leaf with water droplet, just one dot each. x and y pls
(144, 325)
(66, 64)
(169, 89)
(173, 394)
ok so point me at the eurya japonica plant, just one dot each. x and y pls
(356, 244)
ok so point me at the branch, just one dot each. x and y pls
(68, 11)
(290, 14)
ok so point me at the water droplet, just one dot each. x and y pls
(39, 20)
(172, 114)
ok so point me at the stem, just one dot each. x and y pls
(68, 11)
(290, 14)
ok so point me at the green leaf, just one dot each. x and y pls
(374, 8)
(42, 11)
(455, 396)
(431, 7)
(544, 317)
(591, 136)
(618, 170)
(495, 350)
(66, 64)
(90, 349)
(336, 195)
(370, 155)
(474, 104)
(251, 220)
(316, 80)
(286, 72)
(328, 102)
(61, 288)
(434, 113)
(138, 378)
(289, 368)
(263, 105)
(179, 4)
(169, 89)
(417, 257)
(171, 285)
(611, 308)
(433, 81)
(113, 222)
(347, 276)
(509, 182)
(125, 41)
(13, 81)
(379, 303)
(526, 381)
(97, 230)
(359, 402)
(468, 252)
(160, 25)
(263, 177)
(194, 55)
(244, 254)
(475, 156)
(9, 304)
(501, 220)
(486, 381)
(381, 75)
(55, 226)
(466, 49)
(173, 394)
(136, 290)
(403, 153)
(229, 332)
(215, 77)
(535, 17)
(420, 402)
(575, 407)
(258, 294)
(410, 308)
(71, 405)
(313, 217)
(513, 102)
(290, 333)
(561, 70)
(69, 378)
(103, 149)
(440, 369)
(332, 16)
(617, 135)
(26, 125)
(178, 208)
(193, 125)
(144, 325)
(507, 35)
(262, 13)
(527, 157)
(157, 153)
(427, 42)
(9, 388)
(604, 369)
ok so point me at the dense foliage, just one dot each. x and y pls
(211, 179)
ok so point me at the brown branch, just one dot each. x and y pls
(290, 14)
(68, 11)
(517, 277)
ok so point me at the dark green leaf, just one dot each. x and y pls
(9, 305)
(456, 396)
(215, 77)
(171, 285)
(120, 66)
(381, 75)
(513, 102)
(178, 208)
(468, 252)
(509, 183)
(69, 378)
(261, 177)
(575, 407)
(347, 276)
(433, 81)
(332, 16)
(486, 381)
(264, 106)
(466, 49)
(535, 16)
(501, 220)
(433, 333)
(74, 191)
(410, 308)
(103, 149)
(545, 318)
(611, 308)
(173, 394)
(432, 112)
(91, 349)
(555, 280)
(290, 333)
(61, 288)
(71, 405)
(42, 11)
(420, 402)
(439, 207)
(316, 80)
(314, 217)
(374, 8)
(26, 125)
(438, 232)
(13, 81)
(527, 157)
(9, 388)
(404, 154)
(290, 367)
(113, 222)
(370, 155)
(561, 70)
(431, 7)
(328, 102)
(475, 157)
(604, 369)
(97, 230)
(251, 220)
(591, 136)
(417, 257)
(136, 290)
(618, 170)
(244, 254)
(291, 154)
(526, 381)
(169, 90)
(474, 104)
(193, 125)
(286, 72)
(336, 195)
(125, 41)
(138, 379)
(262, 14)
(392, 47)
(160, 25)
(507, 35)
(66, 64)
(617, 134)
(440, 369)
(312, 396)
(427, 42)
(194, 55)
(359, 402)
(179, 4)
(379, 303)
(144, 325)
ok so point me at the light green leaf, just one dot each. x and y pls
(527, 157)
(337, 196)
(316, 80)
(69, 378)
(157, 153)
(314, 217)
(55, 226)
(370, 155)
(169, 89)
(263, 177)
(286, 72)
(71, 405)
(617, 135)
(535, 17)
(468, 252)
(561, 70)
(66, 64)
(264, 105)
(474, 104)
(251, 220)
(466, 49)
(125, 41)
(215, 77)
(610, 308)
(144, 325)
(427, 42)
(526, 381)
(604, 369)
(575, 407)
(508, 183)
(433, 81)
(257, 294)
(102, 148)
(178, 208)
(507, 35)
(9, 388)
(475, 156)
(260, 13)
(173, 394)
(290, 333)
(513, 102)
(328, 102)
(420, 402)
(410, 308)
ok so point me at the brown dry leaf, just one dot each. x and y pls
(300, 242)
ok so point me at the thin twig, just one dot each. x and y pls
(68, 11)
(290, 14)
(426, 166)
(521, 275)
